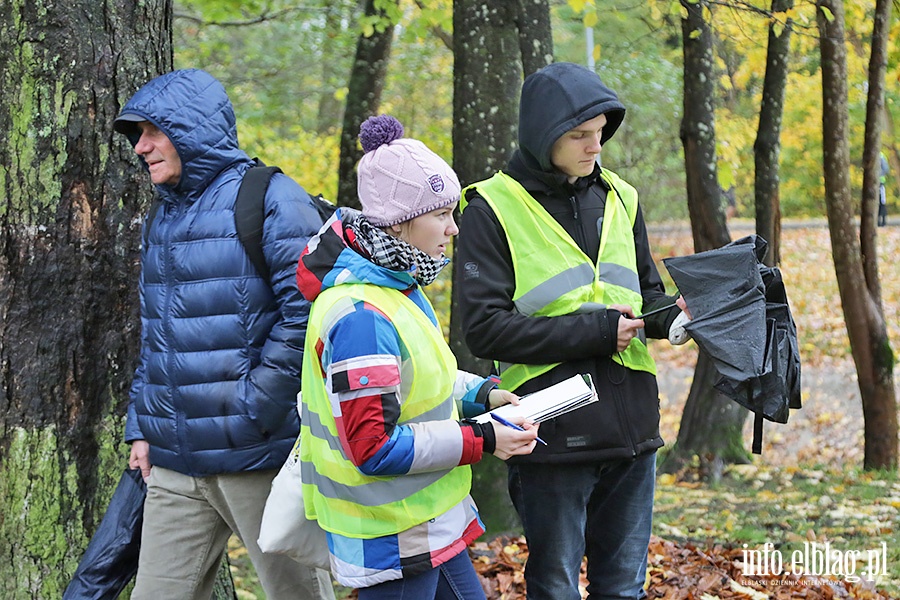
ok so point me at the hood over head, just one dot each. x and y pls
(560, 97)
(192, 108)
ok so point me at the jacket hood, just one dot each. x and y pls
(560, 97)
(330, 260)
(192, 108)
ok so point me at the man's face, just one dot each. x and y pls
(576, 151)
(159, 153)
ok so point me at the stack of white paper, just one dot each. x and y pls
(550, 402)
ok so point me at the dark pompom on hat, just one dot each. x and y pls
(380, 130)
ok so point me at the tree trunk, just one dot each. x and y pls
(487, 77)
(69, 240)
(710, 428)
(363, 98)
(868, 233)
(329, 111)
(866, 328)
(714, 439)
(535, 35)
(767, 148)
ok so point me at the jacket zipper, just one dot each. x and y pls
(168, 266)
(579, 234)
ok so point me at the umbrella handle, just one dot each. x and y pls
(655, 311)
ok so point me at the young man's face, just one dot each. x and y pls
(576, 151)
(160, 155)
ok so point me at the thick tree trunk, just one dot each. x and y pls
(69, 239)
(711, 426)
(487, 77)
(535, 35)
(715, 439)
(862, 312)
(767, 148)
(363, 97)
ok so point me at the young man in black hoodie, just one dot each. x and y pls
(555, 267)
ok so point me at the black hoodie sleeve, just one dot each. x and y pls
(653, 291)
(492, 327)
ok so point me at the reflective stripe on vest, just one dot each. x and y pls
(553, 276)
(343, 499)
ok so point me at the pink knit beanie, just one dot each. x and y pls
(400, 178)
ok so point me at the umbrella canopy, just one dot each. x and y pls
(742, 320)
(724, 291)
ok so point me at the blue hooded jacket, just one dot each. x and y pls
(221, 348)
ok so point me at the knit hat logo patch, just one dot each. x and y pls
(437, 183)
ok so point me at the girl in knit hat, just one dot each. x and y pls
(385, 457)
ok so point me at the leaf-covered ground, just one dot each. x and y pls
(676, 571)
(807, 489)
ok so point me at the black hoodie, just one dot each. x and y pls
(625, 422)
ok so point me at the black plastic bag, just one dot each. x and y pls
(111, 558)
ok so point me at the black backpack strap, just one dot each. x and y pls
(151, 216)
(249, 213)
(324, 207)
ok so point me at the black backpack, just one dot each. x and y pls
(249, 212)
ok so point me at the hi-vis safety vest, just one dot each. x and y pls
(344, 500)
(553, 276)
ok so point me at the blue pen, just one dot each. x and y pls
(503, 421)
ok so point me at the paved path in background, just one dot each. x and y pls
(749, 225)
(828, 430)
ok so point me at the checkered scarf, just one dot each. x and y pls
(393, 253)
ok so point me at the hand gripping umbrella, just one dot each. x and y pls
(742, 321)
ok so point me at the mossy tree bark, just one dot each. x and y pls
(69, 239)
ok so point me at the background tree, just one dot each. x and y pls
(711, 426)
(70, 223)
(487, 77)
(364, 90)
(858, 284)
(767, 147)
(330, 110)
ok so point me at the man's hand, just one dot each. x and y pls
(140, 458)
(628, 326)
(677, 333)
(680, 303)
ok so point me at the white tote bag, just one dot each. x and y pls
(285, 528)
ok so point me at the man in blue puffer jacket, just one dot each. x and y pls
(212, 415)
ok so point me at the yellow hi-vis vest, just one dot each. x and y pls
(343, 499)
(553, 276)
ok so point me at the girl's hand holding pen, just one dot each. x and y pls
(512, 442)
